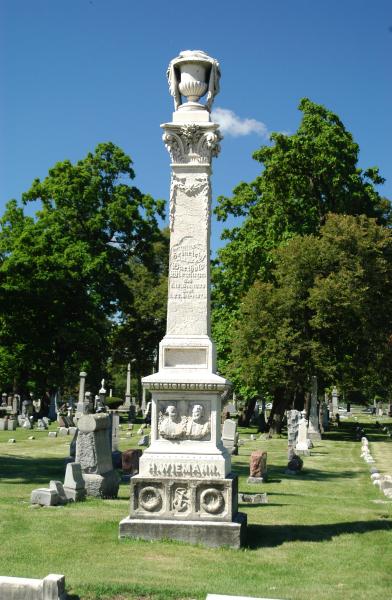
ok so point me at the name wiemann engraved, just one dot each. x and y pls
(184, 470)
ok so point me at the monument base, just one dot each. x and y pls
(102, 486)
(213, 534)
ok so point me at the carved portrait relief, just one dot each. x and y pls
(186, 421)
(169, 426)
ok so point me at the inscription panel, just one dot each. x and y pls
(188, 271)
(187, 470)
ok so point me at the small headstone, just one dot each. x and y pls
(63, 431)
(12, 441)
(258, 467)
(72, 430)
(144, 441)
(230, 436)
(61, 421)
(46, 422)
(128, 434)
(294, 466)
(12, 424)
(52, 434)
(130, 461)
(140, 430)
(74, 486)
(31, 437)
(253, 498)
(4, 424)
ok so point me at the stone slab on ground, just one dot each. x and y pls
(253, 498)
(51, 587)
(44, 497)
(224, 597)
(213, 534)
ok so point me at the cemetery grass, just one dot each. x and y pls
(326, 533)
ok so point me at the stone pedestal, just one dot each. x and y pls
(185, 489)
(94, 454)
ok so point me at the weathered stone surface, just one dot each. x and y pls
(130, 461)
(102, 486)
(253, 498)
(184, 499)
(51, 587)
(74, 485)
(294, 466)
(93, 452)
(258, 464)
(57, 486)
(45, 497)
(63, 431)
(52, 434)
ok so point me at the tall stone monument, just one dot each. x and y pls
(314, 424)
(185, 489)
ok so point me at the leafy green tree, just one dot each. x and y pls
(305, 176)
(327, 311)
(142, 320)
(62, 273)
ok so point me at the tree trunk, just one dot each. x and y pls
(276, 415)
(250, 409)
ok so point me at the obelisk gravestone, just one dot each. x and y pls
(185, 489)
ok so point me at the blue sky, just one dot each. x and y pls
(78, 72)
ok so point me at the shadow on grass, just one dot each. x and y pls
(23, 469)
(270, 536)
(277, 474)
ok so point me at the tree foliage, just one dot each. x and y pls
(63, 272)
(305, 176)
(326, 312)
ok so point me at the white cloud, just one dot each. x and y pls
(232, 124)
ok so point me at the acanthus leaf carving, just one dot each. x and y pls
(192, 144)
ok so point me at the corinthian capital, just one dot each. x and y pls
(191, 143)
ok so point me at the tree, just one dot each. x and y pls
(305, 176)
(62, 273)
(327, 311)
(142, 320)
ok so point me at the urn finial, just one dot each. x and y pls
(192, 74)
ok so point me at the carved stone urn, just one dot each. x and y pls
(194, 75)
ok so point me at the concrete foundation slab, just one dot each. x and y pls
(212, 534)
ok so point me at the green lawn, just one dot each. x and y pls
(324, 534)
